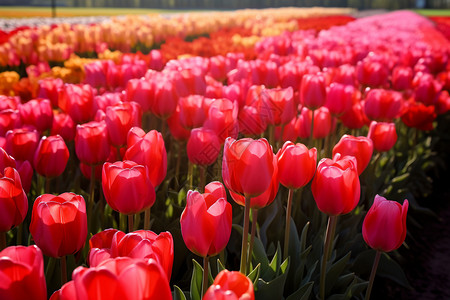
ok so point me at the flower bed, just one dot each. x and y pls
(261, 141)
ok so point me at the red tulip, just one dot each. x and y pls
(230, 285)
(64, 126)
(26, 174)
(112, 243)
(148, 149)
(121, 278)
(251, 122)
(165, 99)
(419, 116)
(335, 186)
(119, 120)
(222, 118)
(247, 166)
(178, 132)
(49, 89)
(140, 91)
(203, 146)
(267, 197)
(313, 92)
(127, 187)
(9, 119)
(402, 78)
(371, 71)
(22, 273)
(355, 118)
(206, 220)
(322, 123)
(296, 165)
(383, 135)
(77, 101)
(21, 143)
(91, 143)
(383, 105)
(51, 156)
(59, 223)
(339, 98)
(426, 88)
(6, 160)
(360, 147)
(191, 112)
(14, 202)
(280, 106)
(384, 227)
(38, 113)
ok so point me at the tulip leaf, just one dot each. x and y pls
(387, 267)
(220, 266)
(273, 289)
(254, 274)
(178, 294)
(302, 293)
(196, 281)
(260, 256)
(334, 271)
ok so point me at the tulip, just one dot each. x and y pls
(384, 229)
(22, 273)
(426, 88)
(26, 174)
(280, 106)
(21, 143)
(77, 101)
(339, 98)
(355, 118)
(38, 113)
(383, 135)
(9, 119)
(119, 120)
(296, 167)
(336, 190)
(360, 147)
(372, 72)
(230, 285)
(247, 170)
(148, 149)
(206, 223)
(13, 204)
(383, 105)
(6, 160)
(313, 91)
(203, 146)
(402, 78)
(121, 278)
(140, 91)
(419, 116)
(127, 187)
(176, 129)
(64, 126)
(59, 223)
(112, 243)
(251, 122)
(51, 156)
(165, 99)
(91, 143)
(322, 119)
(49, 88)
(191, 112)
(222, 118)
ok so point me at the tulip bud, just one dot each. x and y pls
(360, 147)
(14, 202)
(384, 227)
(230, 285)
(383, 135)
(51, 156)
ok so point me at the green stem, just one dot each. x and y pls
(178, 164)
(271, 135)
(130, 223)
(288, 223)
(123, 222)
(202, 178)
(190, 174)
(252, 236)
(311, 133)
(245, 236)
(63, 264)
(147, 219)
(2, 240)
(90, 205)
(47, 185)
(19, 234)
(372, 274)
(205, 274)
(329, 236)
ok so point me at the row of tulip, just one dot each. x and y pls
(305, 86)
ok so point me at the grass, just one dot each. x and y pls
(433, 12)
(28, 11)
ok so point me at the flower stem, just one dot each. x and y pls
(123, 222)
(130, 223)
(245, 236)
(372, 274)
(202, 178)
(190, 174)
(288, 224)
(63, 265)
(311, 133)
(147, 219)
(205, 274)
(47, 185)
(329, 236)
(2, 240)
(252, 235)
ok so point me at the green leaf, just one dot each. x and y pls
(220, 266)
(254, 274)
(178, 293)
(273, 289)
(387, 267)
(302, 293)
(196, 281)
(335, 271)
(260, 256)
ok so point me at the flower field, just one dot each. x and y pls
(251, 154)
